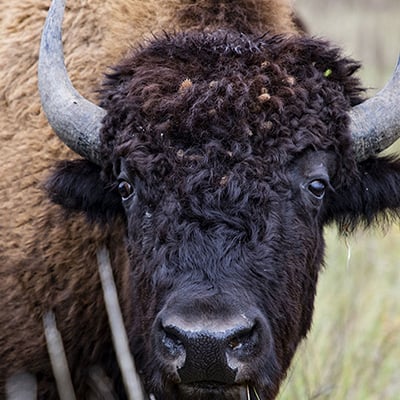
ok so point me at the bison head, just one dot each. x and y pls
(227, 155)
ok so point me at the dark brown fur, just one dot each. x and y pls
(185, 113)
(48, 262)
(181, 115)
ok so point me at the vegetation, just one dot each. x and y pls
(353, 350)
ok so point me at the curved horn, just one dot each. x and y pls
(74, 119)
(375, 123)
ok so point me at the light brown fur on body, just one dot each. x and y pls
(46, 260)
(139, 20)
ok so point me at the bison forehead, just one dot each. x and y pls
(227, 93)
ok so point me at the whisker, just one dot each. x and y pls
(256, 394)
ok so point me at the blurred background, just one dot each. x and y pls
(353, 350)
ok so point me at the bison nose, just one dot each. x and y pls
(213, 352)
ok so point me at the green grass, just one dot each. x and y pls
(353, 349)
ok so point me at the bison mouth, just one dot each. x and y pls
(215, 390)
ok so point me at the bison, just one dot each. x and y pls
(223, 141)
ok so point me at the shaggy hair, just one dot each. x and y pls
(48, 261)
(225, 92)
(210, 123)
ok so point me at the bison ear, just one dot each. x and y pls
(373, 196)
(78, 186)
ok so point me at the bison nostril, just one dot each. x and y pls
(245, 339)
(172, 342)
(172, 336)
(234, 343)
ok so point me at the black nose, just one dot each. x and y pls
(215, 351)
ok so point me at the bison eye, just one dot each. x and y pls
(125, 189)
(317, 188)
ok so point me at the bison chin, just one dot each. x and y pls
(217, 391)
(212, 390)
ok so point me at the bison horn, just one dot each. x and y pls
(375, 123)
(75, 120)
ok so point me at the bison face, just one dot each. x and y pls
(224, 268)
(226, 155)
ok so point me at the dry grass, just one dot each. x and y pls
(367, 30)
(353, 350)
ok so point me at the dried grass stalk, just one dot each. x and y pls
(21, 386)
(120, 339)
(100, 384)
(58, 358)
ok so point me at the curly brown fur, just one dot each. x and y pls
(213, 139)
(302, 109)
(139, 20)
